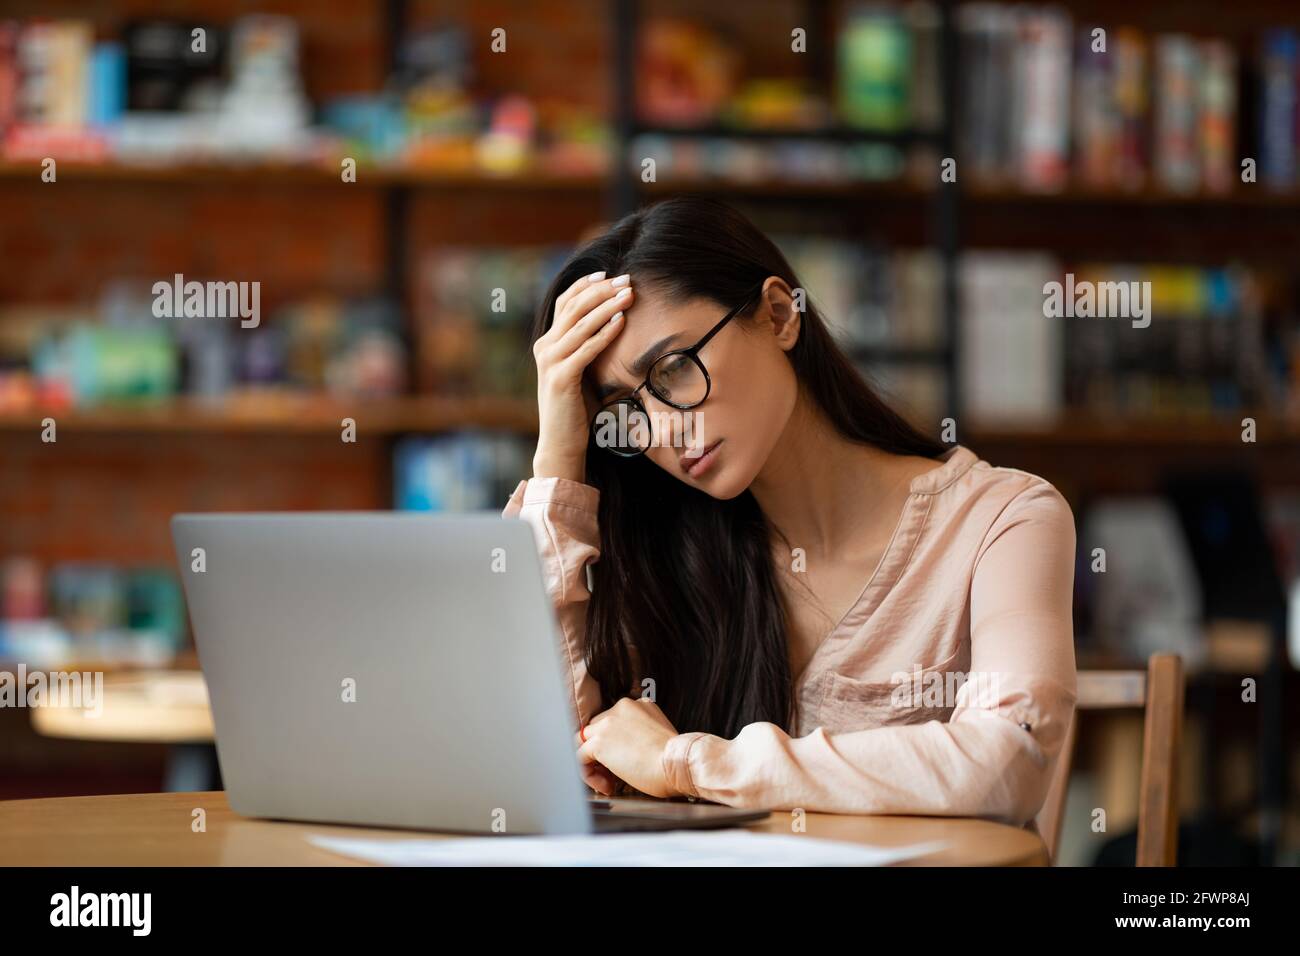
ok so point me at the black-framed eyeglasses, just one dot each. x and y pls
(677, 378)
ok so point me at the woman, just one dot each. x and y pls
(773, 591)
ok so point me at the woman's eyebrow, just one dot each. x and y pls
(606, 389)
(640, 367)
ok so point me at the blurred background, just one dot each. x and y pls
(209, 138)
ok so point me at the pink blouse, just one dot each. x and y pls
(944, 690)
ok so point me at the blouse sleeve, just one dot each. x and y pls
(993, 758)
(562, 513)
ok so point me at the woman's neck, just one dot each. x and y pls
(815, 483)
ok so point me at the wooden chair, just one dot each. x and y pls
(1160, 691)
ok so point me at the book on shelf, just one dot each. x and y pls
(119, 351)
(872, 297)
(925, 96)
(985, 89)
(874, 60)
(9, 76)
(159, 92)
(1207, 350)
(68, 610)
(1044, 101)
(1217, 130)
(1205, 342)
(1095, 116)
(467, 471)
(473, 313)
(1176, 146)
(1014, 94)
(1277, 109)
(1132, 104)
(1040, 109)
(70, 44)
(1009, 367)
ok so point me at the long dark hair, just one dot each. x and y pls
(685, 580)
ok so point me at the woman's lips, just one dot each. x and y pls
(695, 467)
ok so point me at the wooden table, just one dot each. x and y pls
(147, 706)
(155, 829)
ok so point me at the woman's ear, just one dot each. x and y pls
(783, 306)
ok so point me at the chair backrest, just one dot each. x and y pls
(1160, 691)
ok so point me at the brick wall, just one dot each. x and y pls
(108, 497)
(97, 496)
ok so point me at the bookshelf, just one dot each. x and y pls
(130, 464)
(981, 209)
(944, 200)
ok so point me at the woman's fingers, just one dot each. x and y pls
(600, 779)
(595, 344)
(562, 300)
(592, 322)
(595, 774)
(604, 305)
(591, 294)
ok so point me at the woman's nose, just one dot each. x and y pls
(663, 423)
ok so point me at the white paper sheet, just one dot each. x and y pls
(734, 847)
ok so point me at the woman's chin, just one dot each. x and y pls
(722, 484)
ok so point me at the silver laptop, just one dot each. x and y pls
(394, 669)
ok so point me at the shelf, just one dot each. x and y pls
(1248, 196)
(315, 415)
(1190, 431)
(316, 177)
(289, 415)
(875, 190)
(830, 134)
(311, 174)
(307, 174)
